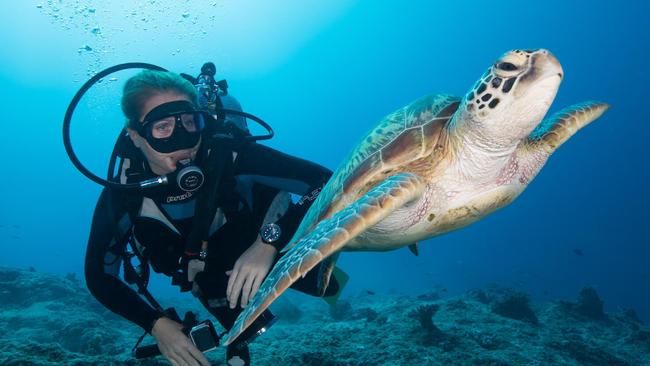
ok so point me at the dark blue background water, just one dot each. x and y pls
(323, 73)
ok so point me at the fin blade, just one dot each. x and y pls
(342, 279)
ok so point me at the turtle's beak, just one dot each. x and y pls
(546, 61)
(543, 72)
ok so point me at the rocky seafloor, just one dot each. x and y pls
(47, 319)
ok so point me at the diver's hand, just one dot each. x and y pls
(249, 272)
(175, 345)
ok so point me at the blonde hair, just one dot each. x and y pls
(147, 83)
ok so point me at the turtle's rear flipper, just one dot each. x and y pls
(327, 238)
(413, 248)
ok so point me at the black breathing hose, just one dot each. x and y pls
(68, 118)
(149, 182)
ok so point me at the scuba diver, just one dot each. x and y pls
(210, 208)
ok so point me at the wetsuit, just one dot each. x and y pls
(162, 221)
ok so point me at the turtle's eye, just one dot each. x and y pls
(506, 66)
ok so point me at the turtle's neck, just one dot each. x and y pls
(479, 155)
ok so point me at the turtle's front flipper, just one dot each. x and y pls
(551, 133)
(328, 237)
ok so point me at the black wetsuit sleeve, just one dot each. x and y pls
(105, 286)
(288, 173)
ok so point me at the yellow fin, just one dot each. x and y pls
(342, 279)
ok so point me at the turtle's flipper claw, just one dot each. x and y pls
(328, 237)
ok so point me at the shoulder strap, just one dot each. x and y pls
(217, 157)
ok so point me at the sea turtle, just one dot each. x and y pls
(435, 165)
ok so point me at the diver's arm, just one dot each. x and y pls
(288, 173)
(102, 278)
(282, 171)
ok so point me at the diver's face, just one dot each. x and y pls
(161, 163)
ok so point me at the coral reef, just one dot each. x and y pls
(287, 311)
(51, 320)
(639, 337)
(342, 310)
(424, 315)
(368, 314)
(430, 296)
(588, 306)
(514, 305)
(629, 315)
(577, 349)
(479, 295)
(427, 333)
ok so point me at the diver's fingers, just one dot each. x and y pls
(176, 359)
(236, 290)
(198, 356)
(231, 281)
(246, 289)
(187, 358)
(190, 356)
(256, 285)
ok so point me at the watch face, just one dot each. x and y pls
(270, 233)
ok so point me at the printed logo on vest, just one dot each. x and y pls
(181, 197)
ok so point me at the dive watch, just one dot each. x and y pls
(270, 233)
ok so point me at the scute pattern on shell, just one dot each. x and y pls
(392, 126)
(415, 114)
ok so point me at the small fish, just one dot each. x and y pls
(369, 292)
(578, 252)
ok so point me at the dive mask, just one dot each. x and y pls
(172, 126)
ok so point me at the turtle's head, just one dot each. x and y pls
(513, 96)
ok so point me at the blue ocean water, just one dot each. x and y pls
(323, 73)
